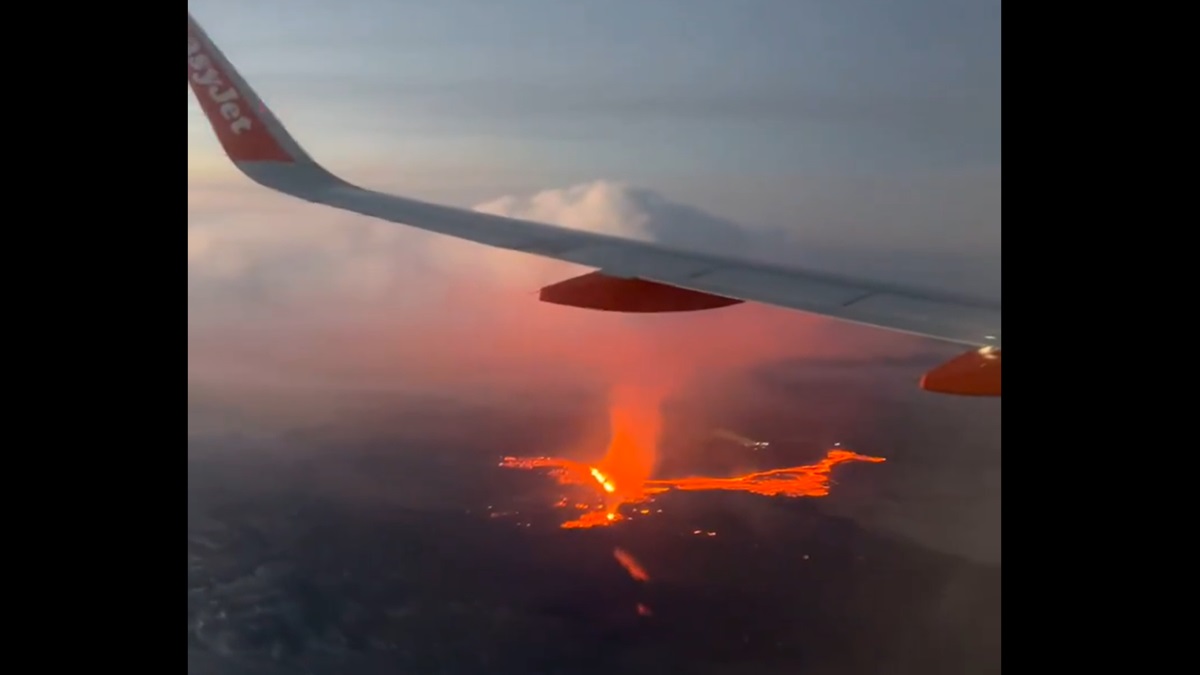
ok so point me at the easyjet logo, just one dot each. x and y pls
(219, 92)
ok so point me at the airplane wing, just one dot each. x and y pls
(630, 276)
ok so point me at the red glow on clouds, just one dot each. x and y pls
(293, 293)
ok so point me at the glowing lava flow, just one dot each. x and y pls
(623, 475)
(810, 480)
(631, 564)
(798, 481)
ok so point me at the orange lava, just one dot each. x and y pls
(798, 481)
(631, 564)
(811, 480)
(623, 475)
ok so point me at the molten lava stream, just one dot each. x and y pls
(623, 475)
(810, 480)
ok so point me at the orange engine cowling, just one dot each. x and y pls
(975, 373)
(600, 291)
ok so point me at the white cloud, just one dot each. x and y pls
(311, 261)
(299, 250)
(316, 293)
(609, 207)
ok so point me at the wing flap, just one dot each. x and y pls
(930, 315)
(777, 288)
(615, 259)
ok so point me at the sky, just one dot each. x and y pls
(847, 135)
(854, 123)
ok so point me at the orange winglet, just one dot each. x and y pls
(976, 373)
(232, 114)
(597, 290)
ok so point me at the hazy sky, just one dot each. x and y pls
(764, 87)
(842, 120)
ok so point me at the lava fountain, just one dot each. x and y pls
(624, 475)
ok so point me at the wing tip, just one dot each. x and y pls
(237, 116)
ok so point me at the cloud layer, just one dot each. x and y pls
(300, 292)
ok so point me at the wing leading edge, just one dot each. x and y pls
(262, 149)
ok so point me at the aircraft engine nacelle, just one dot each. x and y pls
(975, 373)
